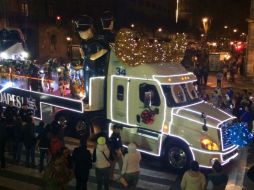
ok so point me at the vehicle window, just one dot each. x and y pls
(191, 91)
(178, 94)
(120, 93)
(149, 95)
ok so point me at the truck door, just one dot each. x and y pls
(119, 99)
(148, 106)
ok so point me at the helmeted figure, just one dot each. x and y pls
(107, 24)
(92, 50)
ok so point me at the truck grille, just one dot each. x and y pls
(225, 135)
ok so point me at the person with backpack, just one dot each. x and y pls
(82, 162)
(115, 145)
(102, 164)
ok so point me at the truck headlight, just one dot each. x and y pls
(24, 54)
(4, 55)
(208, 144)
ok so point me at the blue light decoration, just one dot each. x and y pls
(239, 134)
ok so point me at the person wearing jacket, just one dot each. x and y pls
(29, 141)
(115, 144)
(131, 168)
(43, 143)
(3, 138)
(82, 162)
(193, 179)
(102, 164)
(217, 177)
(18, 138)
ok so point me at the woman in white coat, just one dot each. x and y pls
(131, 168)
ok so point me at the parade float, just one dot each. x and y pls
(148, 92)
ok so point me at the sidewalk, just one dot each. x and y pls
(239, 84)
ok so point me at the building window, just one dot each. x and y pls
(51, 11)
(24, 8)
(120, 93)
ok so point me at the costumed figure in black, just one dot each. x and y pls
(107, 23)
(91, 49)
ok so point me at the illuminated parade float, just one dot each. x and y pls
(141, 87)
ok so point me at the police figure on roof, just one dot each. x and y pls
(107, 24)
(92, 50)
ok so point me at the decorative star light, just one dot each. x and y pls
(240, 134)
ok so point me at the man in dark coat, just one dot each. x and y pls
(29, 141)
(115, 144)
(3, 138)
(82, 162)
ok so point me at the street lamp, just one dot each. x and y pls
(205, 21)
(225, 27)
(132, 25)
(159, 29)
(235, 30)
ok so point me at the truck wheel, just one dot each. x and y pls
(177, 157)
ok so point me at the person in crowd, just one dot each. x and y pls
(205, 71)
(82, 162)
(82, 129)
(218, 179)
(102, 164)
(56, 144)
(29, 142)
(115, 144)
(246, 116)
(58, 128)
(43, 143)
(219, 77)
(131, 167)
(3, 139)
(10, 118)
(25, 113)
(58, 173)
(193, 179)
(18, 138)
(39, 128)
(1, 110)
(10, 113)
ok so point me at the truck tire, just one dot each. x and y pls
(177, 156)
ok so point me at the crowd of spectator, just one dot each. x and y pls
(59, 165)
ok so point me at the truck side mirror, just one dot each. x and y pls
(138, 118)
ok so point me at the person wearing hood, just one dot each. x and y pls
(193, 179)
(102, 164)
(131, 167)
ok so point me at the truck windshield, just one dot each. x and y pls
(180, 94)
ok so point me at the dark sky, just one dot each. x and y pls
(226, 12)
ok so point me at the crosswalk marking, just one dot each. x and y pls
(162, 175)
(16, 184)
(142, 184)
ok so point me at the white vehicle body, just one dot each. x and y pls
(179, 115)
(158, 107)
